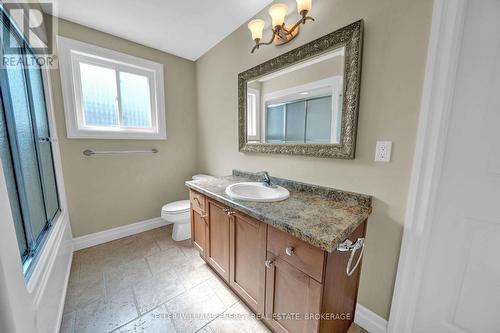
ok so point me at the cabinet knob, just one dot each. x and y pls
(204, 215)
(268, 263)
(289, 251)
(228, 211)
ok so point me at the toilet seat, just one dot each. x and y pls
(176, 207)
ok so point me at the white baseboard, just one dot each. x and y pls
(369, 320)
(116, 233)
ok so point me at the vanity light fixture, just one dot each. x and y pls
(282, 33)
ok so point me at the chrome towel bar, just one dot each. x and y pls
(90, 152)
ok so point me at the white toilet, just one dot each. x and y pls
(177, 212)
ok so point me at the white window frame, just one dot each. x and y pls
(71, 53)
(254, 114)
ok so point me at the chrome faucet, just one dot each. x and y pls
(266, 179)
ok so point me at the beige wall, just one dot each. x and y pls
(110, 191)
(396, 34)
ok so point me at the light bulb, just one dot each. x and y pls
(278, 13)
(256, 27)
(304, 5)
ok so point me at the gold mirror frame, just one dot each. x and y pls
(350, 37)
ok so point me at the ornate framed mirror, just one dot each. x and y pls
(304, 102)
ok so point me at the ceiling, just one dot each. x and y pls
(186, 28)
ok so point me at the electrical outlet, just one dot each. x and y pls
(383, 151)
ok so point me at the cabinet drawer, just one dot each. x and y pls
(307, 258)
(197, 202)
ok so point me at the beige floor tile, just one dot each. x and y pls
(156, 321)
(83, 292)
(125, 276)
(114, 245)
(138, 249)
(194, 273)
(150, 234)
(165, 244)
(106, 314)
(195, 308)
(105, 253)
(158, 289)
(163, 238)
(222, 291)
(94, 263)
(114, 283)
(68, 323)
(190, 252)
(92, 271)
(74, 274)
(168, 260)
(238, 318)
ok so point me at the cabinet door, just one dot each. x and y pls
(290, 295)
(218, 238)
(247, 255)
(198, 231)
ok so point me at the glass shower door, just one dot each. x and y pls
(42, 134)
(23, 145)
(10, 180)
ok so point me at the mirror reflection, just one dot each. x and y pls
(300, 104)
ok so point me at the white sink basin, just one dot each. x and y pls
(256, 191)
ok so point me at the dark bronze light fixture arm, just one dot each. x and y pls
(283, 33)
(258, 43)
(303, 20)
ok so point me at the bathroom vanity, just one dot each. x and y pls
(282, 258)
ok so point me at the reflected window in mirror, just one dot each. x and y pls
(314, 120)
(301, 104)
(253, 100)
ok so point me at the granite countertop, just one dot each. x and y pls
(320, 216)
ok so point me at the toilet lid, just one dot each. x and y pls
(176, 207)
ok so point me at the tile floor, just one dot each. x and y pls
(149, 283)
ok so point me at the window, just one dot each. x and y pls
(110, 95)
(26, 149)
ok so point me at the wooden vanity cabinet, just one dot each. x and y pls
(217, 253)
(247, 257)
(275, 273)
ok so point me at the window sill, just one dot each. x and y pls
(116, 135)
